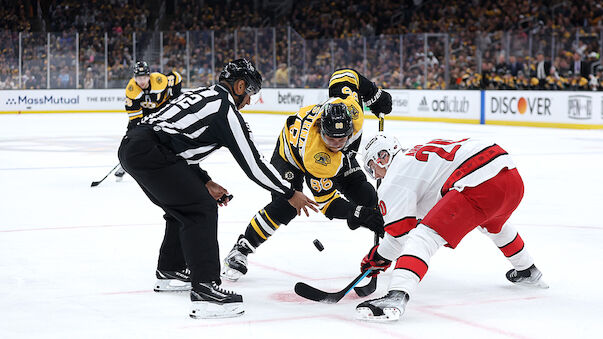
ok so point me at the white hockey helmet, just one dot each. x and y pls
(380, 150)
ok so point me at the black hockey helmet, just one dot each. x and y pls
(242, 69)
(141, 68)
(336, 120)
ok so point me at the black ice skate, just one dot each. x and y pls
(531, 277)
(388, 308)
(211, 301)
(119, 173)
(235, 263)
(172, 281)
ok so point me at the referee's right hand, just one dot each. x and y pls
(301, 201)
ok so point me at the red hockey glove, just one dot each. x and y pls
(375, 261)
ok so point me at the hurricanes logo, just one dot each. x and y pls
(322, 158)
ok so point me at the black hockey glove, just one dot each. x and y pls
(367, 217)
(381, 102)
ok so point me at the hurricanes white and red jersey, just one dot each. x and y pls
(418, 178)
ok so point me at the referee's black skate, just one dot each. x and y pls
(387, 308)
(211, 301)
(235, 263)
(531, 277)
(172, 281)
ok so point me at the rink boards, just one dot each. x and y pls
(564, 109)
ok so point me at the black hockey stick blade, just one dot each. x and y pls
(96, 183)
(306, 291)
(363, 291)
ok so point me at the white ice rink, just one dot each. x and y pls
(79, 262)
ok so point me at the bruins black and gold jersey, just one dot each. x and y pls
(301, 145)
(141, 102)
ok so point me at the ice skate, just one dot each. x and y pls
(119, 174)
(172, 281)
(387, 308)
(235, 263)
(210, 302)
(531, 277)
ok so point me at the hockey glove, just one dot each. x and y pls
(381, 102)
(375, 261)
(368, 217)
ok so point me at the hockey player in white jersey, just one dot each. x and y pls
(433, 195)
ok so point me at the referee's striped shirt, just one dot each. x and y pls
(200, 121)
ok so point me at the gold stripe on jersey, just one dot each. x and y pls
(257, 229)
(345, 75)
(324, 206)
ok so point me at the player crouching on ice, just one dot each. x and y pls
(450, 188)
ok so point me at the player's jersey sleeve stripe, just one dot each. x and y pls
(343, 76)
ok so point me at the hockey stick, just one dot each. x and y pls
(363, 291)
(96, 183)
(312, 293)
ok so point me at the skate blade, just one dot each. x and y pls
(171, 285)
(537, 284)
(389, 314)
(230, 274)
(209, 310)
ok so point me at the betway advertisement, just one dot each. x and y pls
(285, 100)
(461, 105)
(544, 107)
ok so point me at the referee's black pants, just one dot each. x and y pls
(191, 213)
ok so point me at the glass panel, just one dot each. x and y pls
(318, 63)
(174, 54)
(201, 73)
(34, 73)
(265, 61)
(119, 71)
(92, 60)
(148, 48)
(414, 63)
(436, 62)
(296, 59)
(9, 60)
(62, 60)
(464, 61)
(224, 51)
(383, 61)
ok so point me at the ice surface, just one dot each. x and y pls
(78, 262)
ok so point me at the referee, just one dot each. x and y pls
(162, 154)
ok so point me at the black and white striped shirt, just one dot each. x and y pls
(200, 121)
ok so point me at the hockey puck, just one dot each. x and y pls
(318, 245)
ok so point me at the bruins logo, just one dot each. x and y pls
(148, 104)
(159, 80)
(353, 111)
(322, 158)
(130, 88)
(289, 175)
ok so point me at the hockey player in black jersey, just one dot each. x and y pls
(318, 145)
(163, 153)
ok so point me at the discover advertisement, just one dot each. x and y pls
(546, 108)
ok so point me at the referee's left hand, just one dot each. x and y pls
(217, 191)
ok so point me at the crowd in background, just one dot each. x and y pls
(479, 44)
